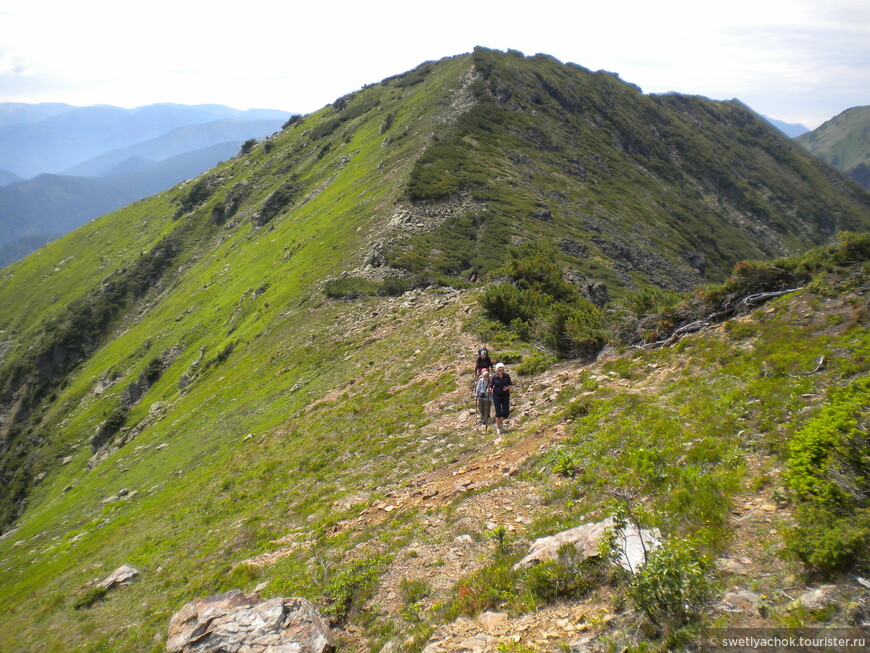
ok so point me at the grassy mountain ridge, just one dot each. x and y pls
(844, 142)
(266, 411)
(696, 184)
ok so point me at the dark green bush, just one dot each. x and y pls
(109, 427)
(570, 575)
(505, 302)
(586, 329)
(388, 123)
(353, 586)
(534, 363)
(276, 202)
(539, 301)
(89, 597)
(533, 266)
(198, 193)
(248, 145)
(671, 588)
(350, 288)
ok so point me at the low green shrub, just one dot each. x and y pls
(539, 302)
(829, 472)
(671, 589)
(353, 586)
(485, 589)
(828, 543)
(413, 590)
(89, 597)
(535, 363)
(350, 288)
(248, 145)
(571, 575)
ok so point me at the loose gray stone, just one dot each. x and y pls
(234, 622)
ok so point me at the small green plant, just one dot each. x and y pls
(413, 590)
(500, 536)
(564, 463)
(353, 586)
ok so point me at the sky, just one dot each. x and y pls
(800, 61)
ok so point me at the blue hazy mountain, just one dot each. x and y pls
(66, 138)
(184, 139)
(790, 129)
(7, 178)
(18, 113)
(38, 210)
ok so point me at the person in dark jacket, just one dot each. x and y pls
(500, 386)
(483, 362)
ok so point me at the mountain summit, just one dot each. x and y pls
(844, 142)
(187, 388)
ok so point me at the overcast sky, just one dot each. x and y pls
(801, 61)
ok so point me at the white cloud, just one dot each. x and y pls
(793, 59)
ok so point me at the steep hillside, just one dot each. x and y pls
(844, 142)
(191, 392)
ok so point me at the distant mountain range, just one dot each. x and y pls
(61, 166)
(64, 139)
(791, 129)
(7, 178)
(844, 142)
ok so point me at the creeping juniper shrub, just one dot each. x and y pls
(350, 288)
(671, 589)
(534, 363)
(829, 473)
(538, 302)
(354, 585)
(248, 145)
(571, 575)
(89, 597)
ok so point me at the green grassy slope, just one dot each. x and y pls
(844, 142)
(270, 406)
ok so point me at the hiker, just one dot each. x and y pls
(500, 387)
(484, 400)
(483, 362)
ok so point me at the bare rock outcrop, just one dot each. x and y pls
(234, 622)
(123, 574)
(632, 544)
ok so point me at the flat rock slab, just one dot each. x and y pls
(630, 543)
(234, 622)
(121, 575)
